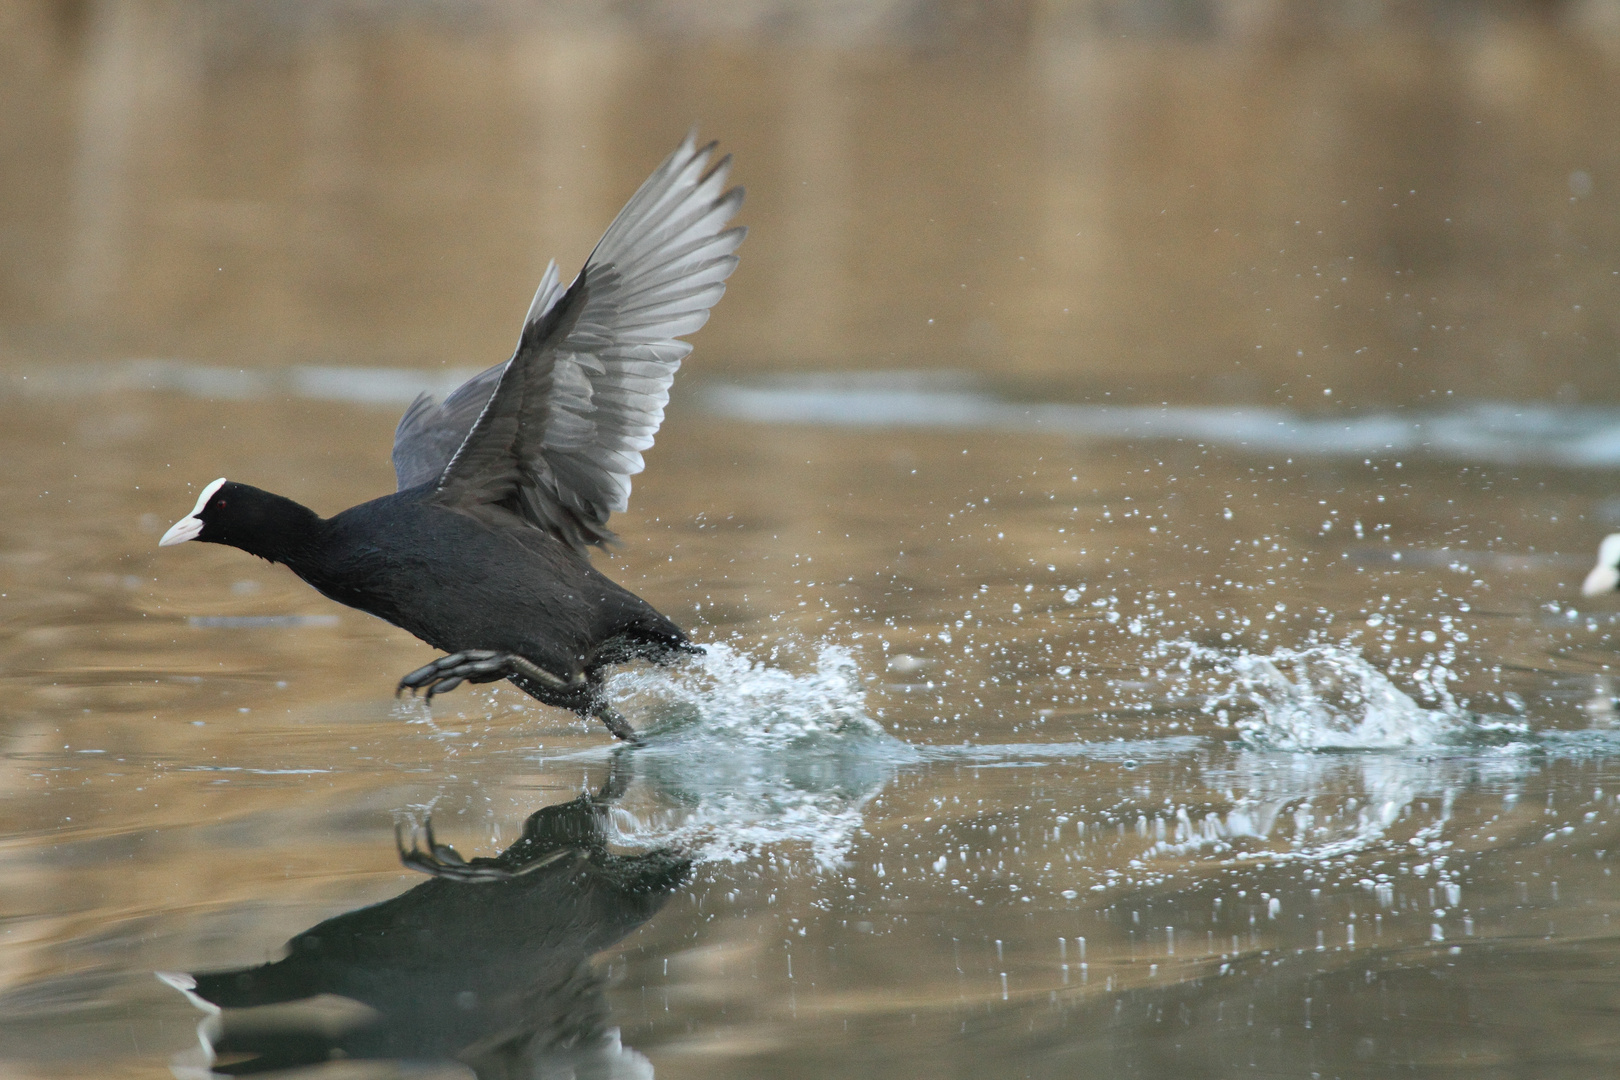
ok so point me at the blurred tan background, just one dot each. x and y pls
(1147, 199)
(1412, 204)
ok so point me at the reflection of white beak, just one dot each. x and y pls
(191, 526)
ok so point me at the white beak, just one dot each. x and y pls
(187, 528)
(191, 526)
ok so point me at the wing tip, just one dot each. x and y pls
(543, 293)
(685, 187)
(721, 168)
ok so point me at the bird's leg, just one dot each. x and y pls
(479, 666)
(440, 860)
(487, 665)
(443, 861)
(617, 725)
(618, 777)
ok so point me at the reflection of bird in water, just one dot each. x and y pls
(1605, 576)
(488, 965)
(506, 484)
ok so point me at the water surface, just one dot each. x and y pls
(1134, 497)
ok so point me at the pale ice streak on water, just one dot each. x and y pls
(1498, 432)
(743, 756)
(387, 387)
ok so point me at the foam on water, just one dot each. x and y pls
(742, 756)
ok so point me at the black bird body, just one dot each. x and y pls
(505, 485)
(460, 580)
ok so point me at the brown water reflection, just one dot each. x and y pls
(1416, 213)
(210, 217)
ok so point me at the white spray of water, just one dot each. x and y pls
(1321, 697)
(727, 694)
(1304, 805)
(743, 756)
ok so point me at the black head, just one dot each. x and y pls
(241, 516)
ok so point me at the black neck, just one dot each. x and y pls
(265, 524)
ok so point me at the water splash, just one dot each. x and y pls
(742, 756)
(728, 694)
(1328, 697)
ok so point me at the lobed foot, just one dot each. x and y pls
(479, 666)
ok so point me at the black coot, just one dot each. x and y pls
(505, 484)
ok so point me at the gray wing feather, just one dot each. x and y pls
(430, 431)
(556, 433)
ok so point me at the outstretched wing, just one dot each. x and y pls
(430, 432)
(556, 432)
